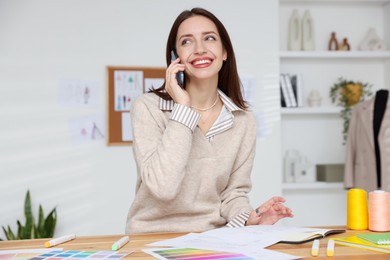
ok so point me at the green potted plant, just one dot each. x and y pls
(347, 93)
(30, 230)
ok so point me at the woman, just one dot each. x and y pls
(194, 145)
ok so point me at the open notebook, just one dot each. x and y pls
(309, 235)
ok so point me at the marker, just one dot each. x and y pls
(60, 240)
(315, 247)
(330, 248)
(121, 242)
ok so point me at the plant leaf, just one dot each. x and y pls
(50, 223)
(41, 222)
(8, 233)
(35, 231)
(29, 217)
(21, 231)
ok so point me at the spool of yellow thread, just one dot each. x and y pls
(357, 210)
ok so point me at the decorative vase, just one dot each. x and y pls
(372, 42)
(333, 44)
(315, 98)
(294, 33)
(308, 43)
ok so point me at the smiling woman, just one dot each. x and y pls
(37, 151)
(194, 145)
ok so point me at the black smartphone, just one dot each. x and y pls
(180, 74)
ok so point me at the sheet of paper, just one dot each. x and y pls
(25, 253)
(195, 254)
(86, 129)
(127, 134)
(128, 85)
(250, 240)
(262, 236)
(153, 83)
(78, 93)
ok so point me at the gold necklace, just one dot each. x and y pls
(208, 108)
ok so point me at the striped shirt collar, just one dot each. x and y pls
(229, 104)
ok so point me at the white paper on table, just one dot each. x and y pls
(250, 240)
(257, 254)
(261, 235)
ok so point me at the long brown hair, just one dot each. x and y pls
(228, 79)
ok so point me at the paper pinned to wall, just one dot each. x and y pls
(86, 129)
(153, 83)
(78, 93)
(127, 134)
(128, 85)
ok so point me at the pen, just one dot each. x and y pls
(330, 248)
(60, 240)
(121, 242)
(315, 247)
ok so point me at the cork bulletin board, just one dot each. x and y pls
(125, 84)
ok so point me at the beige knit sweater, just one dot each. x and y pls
(184, 182)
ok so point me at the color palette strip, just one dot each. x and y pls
(194, 254)
(78, 254)
(24, 253)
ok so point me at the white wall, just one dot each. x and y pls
(386, 29)
(43, 41)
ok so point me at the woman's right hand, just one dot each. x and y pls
(178, 94)
(270, 212)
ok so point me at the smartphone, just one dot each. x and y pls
(180, 74)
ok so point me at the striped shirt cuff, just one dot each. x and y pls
(185, 116)
(239, 221)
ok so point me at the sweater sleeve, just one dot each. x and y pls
(161, 149)
(235, 197)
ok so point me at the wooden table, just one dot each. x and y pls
(138, 242)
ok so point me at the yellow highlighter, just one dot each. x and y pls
(315, 248)
(330, 248)
(60, 240)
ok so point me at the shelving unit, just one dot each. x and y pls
(321, 68)
(310, 111)
(316, 132)
(312, 185)
(380, 55)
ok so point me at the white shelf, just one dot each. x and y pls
(312, 185)
(311, 111)
(383, 55)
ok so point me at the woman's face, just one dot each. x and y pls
(199, 47)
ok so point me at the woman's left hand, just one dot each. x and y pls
(270, 212)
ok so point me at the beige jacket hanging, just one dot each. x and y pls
(360, 166)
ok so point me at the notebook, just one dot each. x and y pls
(355, 241)
(309, 235)
(379, 238)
